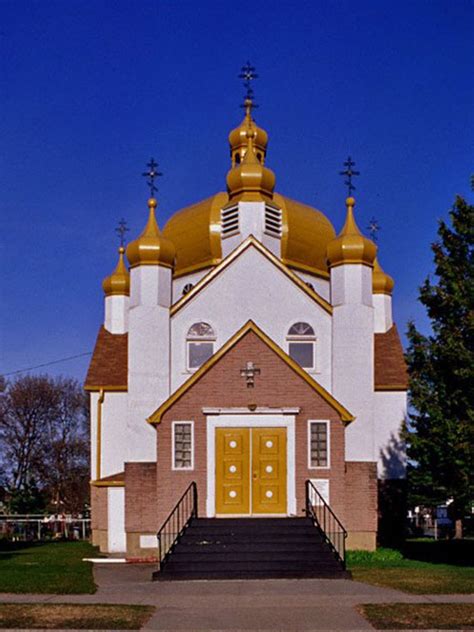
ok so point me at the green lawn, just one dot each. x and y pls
(419, 616)
(53, 567)
(411, 571)
(75, 617)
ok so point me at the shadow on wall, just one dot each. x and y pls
(392, 493)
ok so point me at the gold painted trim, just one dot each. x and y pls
(353, 261)
(302, 267)
(105, 387)
(107, 483)
(151, 263)
(196, 267)
(250, 241)
(388, 293)
(390, 387)
(98, 464)
(346, 416)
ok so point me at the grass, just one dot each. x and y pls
(53, 567)
(420, 567)
(415, 616)
(67, 616)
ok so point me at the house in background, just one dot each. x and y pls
(247, 349)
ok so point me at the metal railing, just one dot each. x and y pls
(326, 521)
(176, 523)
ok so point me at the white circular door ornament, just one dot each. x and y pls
(233, 444)
(232, 493)
(269, 444)
(268, 494)
(269, 469)
(232, 469)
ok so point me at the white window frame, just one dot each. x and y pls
(173, 454)
(296, 339)
(193, 339)
(328, 439)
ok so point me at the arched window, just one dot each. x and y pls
(200, 345)
(301, 345)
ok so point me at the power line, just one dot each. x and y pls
(39, 366)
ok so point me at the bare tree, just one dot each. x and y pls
(43, 440)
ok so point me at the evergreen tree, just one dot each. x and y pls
(441, 370)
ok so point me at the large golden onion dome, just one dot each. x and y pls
(382, 283)
(151, 248)
(118, 283)
(350, 246)
(238, 137)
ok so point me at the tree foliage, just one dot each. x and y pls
(44, 443)
(441, 369)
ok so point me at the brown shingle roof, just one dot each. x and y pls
(120, 476)
(390, 371)
(109, 363)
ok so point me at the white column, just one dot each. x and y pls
(383, 319)
(116, 314)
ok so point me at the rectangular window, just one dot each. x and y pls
(183, 448)
(303, 353)
(318, 444)
(198, 353)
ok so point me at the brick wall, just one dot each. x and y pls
(360, 512)
(99, 517)
(276, 386)
(140, 498)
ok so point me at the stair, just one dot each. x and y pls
(251, 548)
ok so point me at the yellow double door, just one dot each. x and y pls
(251, 471)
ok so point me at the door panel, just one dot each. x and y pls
(269, 470)
(232, 470)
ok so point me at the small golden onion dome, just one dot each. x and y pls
(350, 246)
(151, 248)
(238, 137)
(382, 283)
(118, 283)
(250, 180)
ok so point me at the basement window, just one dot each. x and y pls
(318, 444)
(183, 448)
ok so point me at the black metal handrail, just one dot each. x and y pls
(326, 521)
(176, 523)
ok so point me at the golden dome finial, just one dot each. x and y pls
(151, 248)
(249, 180)
(350, 246)
(382, 283)
(238, 136)
(118, 283)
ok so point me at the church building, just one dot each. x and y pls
(246, 349)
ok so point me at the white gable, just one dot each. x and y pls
(251, 287)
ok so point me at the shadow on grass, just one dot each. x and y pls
(455, 552)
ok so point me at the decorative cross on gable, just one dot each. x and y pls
(249, 374)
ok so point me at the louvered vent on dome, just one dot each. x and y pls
(230, 221)
(273, 221)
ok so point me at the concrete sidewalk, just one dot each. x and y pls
(235, 606)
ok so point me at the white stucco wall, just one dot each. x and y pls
(116, 314)
(390, 410)
(382, 313)
(148, 356)
(180, 282)
(114, 433)
(353, 353)
(116, 520)
(93, 430)
(251, 287)
(321, 285)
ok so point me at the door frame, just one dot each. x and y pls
(251, 420)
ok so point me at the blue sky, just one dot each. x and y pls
(90, 90)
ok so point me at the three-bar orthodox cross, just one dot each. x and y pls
(349, 173)
(248, 74)
(121, 229)
(151, 174)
